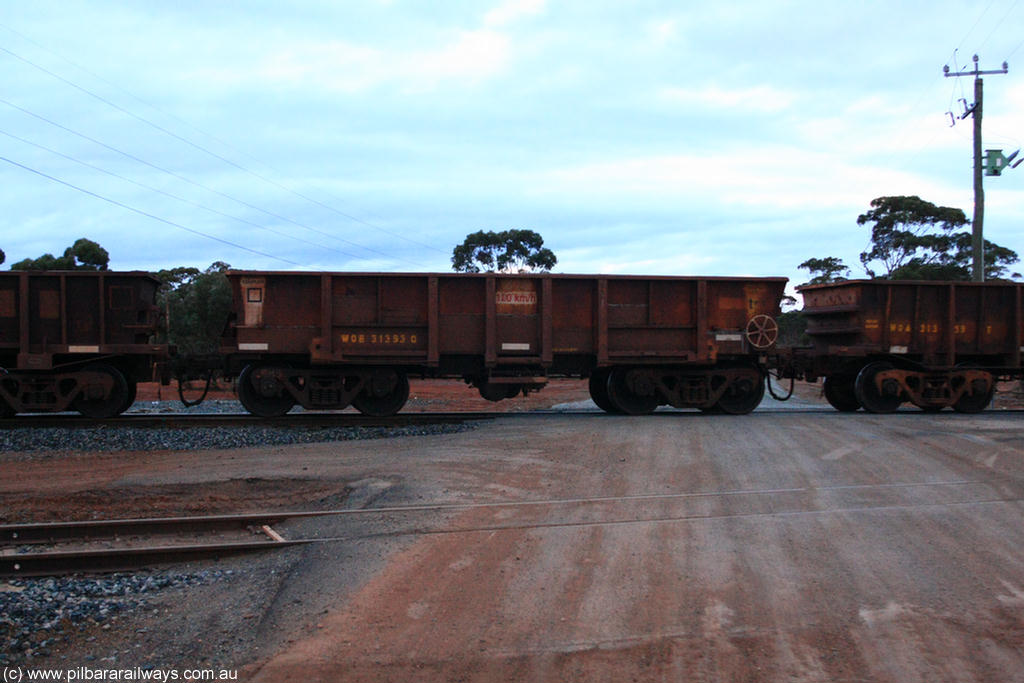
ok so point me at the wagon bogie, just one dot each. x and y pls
(270, 389)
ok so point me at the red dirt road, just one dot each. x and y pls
(808, 548)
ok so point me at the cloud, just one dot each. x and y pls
(758, 98)
(466, 57)
(664, 31)
(769, 177)
(511, 11)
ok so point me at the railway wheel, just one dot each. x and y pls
(263, 394)
(886, 400)
(498, 392)
(598, 385)
(5, 409)
(978, 397)
(384, 394)
(632, 391)
(743, 394)
(133, 391)
(840, 393)
(91, 401)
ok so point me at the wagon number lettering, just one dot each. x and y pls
(962, 329)
(379, 339)
(932, 328)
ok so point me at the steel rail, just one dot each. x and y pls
(327, 420)
(56, 532)
(124, 559)
(14, 536)
(178, 420)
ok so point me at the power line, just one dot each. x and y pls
(145, 213)
(999, 24)
(205, 149)
(170, 195)
(976, 22)
(186, 180)
(1014, 50)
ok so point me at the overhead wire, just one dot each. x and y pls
(203, 148)
(974, 26)
(999, 24)
(1014, 50)
(146, 213)
(182, 178)
(170, 194)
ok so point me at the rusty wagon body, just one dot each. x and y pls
(329, 340)
(879, 343)
(76, 339)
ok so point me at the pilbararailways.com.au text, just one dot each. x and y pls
(82, 673)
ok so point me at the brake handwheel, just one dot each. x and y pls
(762, 331)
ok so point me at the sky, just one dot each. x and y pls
(647, 137)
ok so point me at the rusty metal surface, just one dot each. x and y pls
(134, 538)
(50, 317)
(936, 323)
(555, 322)
(61, 562)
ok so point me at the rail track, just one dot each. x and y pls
(312, 420)
(132, 543)
(138, 543)
(305, 419)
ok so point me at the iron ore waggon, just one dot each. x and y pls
(76, 340)
(880, 343)
(330, 340)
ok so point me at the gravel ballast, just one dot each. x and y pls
(107, 439)
(37, 615)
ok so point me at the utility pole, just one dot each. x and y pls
(977, 239)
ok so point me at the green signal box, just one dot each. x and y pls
(995, 162)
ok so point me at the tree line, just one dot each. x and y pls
(913, 239)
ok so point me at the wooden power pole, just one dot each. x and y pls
(977, 238)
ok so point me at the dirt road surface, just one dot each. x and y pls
(779, 546)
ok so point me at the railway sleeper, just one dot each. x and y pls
(967, 390)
